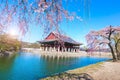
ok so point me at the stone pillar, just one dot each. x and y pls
(46, 48)
(50, 49)
(71, 49)
(58, 48)
(77, 50)
(65, 49)
(74, 49)
(68, 49)
(54, 48)
(62, 49)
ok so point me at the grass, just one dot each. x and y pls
(86, 68)
(75, 71)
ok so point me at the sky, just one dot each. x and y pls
(102, 13)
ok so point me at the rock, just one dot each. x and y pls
(7, 53)
(1, 54)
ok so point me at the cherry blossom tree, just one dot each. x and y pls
(104, 37)
(46, 13)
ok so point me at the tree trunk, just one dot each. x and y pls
(112, 51)
(117, 52)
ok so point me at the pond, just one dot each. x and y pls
(30, 66)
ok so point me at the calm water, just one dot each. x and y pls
(29, 66)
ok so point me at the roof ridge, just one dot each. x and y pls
(60, 34)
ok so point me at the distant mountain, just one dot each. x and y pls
(30, 45)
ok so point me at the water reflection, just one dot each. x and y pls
(6, 64)
(30, 66)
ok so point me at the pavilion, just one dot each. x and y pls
(58, 42)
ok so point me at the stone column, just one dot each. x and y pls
(58, 48)
(46, 48)
(65, 49)
(62, 49)
(68, 49)
(74, 50)
(54, 48)
(77, 50)
(50, 49)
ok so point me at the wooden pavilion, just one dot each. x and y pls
(57, 42)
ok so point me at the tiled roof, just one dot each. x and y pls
(61, 37)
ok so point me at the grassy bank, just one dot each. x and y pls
(86, 69)
(101, 71)
(75, 73)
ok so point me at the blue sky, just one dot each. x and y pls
(102, 13)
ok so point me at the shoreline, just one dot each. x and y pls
(8, 53)
(106, 70)
(75, 71)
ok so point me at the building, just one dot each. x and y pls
(57, 42)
